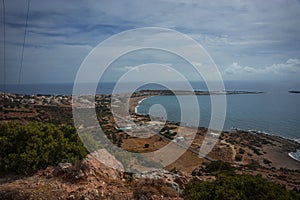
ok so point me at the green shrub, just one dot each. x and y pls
(24, 149)
(236, 187)
(256, 151)
(219, 166)
(266, 161)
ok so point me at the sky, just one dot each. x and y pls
(247, 40)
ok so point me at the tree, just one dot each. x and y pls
(24, 149)
(237, 186)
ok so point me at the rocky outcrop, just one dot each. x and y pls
(110, 161)
(91, 179)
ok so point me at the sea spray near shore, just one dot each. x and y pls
(295, 155)
(138, 104)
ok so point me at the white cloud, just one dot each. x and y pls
(291, 66)
(125, 68)
(234, 68)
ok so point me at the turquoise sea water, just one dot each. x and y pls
(277, 114)
(272, 113)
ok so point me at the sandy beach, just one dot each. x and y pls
(134, 101)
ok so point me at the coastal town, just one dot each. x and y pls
(38, 99)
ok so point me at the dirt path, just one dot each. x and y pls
(232, 148)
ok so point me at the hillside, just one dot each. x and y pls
(88, 178)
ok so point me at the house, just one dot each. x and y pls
(179, 139)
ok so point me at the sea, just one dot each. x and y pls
(275, 111)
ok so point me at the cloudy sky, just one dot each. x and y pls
(248, 40)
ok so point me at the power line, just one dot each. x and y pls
(24, 40)
(4, 48)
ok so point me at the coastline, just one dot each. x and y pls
(138, 104)
(136, 101)
(296, 152)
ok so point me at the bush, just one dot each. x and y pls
(256, 151)
(266, 161)
(244, 186)
(24, 149)
(219, 166)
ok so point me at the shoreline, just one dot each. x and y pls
(136, 101)
(266, 134)
(138, 104)
(293, 157)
